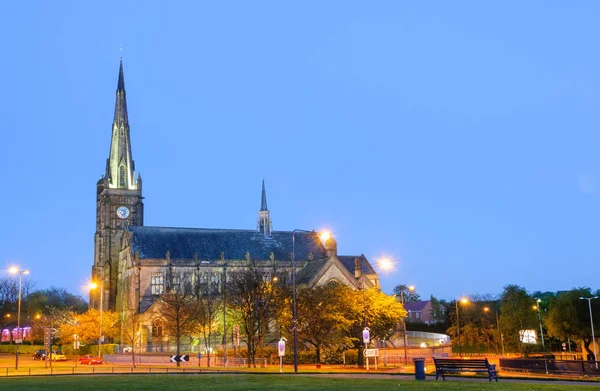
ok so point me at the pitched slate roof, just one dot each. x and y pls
(415, 305)
(348, 262)
(310, 270)
(182, 243)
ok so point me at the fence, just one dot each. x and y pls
(126, 359)
(566, 367)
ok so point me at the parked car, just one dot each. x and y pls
(57, 355)
(39, 355)
(90, 360)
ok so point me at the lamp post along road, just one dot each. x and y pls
(224, 282)
(540, 321)
(589, 299)
(295, 319)
(93, 286)
(294, 314)
(16, 270)
(465, 301)
(410, 288)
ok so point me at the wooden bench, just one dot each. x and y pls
(445, 365)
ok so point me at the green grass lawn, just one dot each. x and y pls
(256, 382)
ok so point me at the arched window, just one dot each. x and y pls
(157, 328)
(122, 178)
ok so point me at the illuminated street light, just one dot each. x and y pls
(324, 236)
(537, 308)
(464, 300)
(385, 264)
(410, 288)
(94, 286)
(20, 272)
(589, 299)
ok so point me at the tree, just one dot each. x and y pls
(569, 317)
(376, 310)
(408, 292)
(130, 326)
(86, 325)
(177, 309)
(254, 299)
(438, 311)
(208, 305)
(516, 314)
(322, 316)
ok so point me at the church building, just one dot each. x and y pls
(135, 264)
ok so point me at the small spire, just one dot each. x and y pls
(263, 203)
(264, 216)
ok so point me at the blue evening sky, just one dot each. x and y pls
(461, 138)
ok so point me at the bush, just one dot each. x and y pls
(89, 349)
(23, 349)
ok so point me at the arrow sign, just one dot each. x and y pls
(180, 358)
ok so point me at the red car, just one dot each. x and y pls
(90, 360)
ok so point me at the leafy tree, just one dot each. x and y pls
(208, 306)
(130, 326)
(86, 325)
(407, 292)
(54, 297)
(569, 317)
(439, 313)
(254, 298)
(177, 309)
(322, 316)
(376, 310)
(516, 314)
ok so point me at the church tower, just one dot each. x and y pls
(118, 203)
(264, 216)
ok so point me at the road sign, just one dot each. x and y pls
(180, 358)
(366, 336)
(18, 341)
(281, 347)
(371, 352)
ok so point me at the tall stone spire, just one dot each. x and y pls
(120, 166)
(264, 216)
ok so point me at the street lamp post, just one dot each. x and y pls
(589, 299)
(93, 285)
(464, 301)
(487, 309)
(295, 319)
(16, 270)
(537, 307)
(410, 288)
(224, 315)
(294, 292)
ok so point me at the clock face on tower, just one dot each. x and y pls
(123, 212)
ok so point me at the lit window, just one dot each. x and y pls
(157, 328)
(157, 284)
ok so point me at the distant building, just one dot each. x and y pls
(423, 312)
